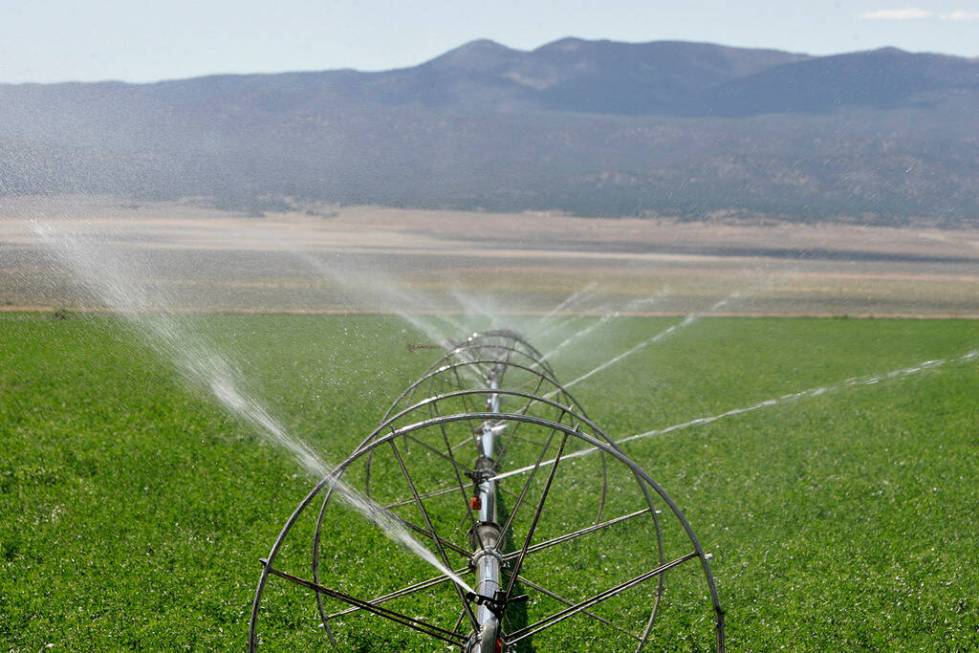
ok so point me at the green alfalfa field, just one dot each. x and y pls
(133, 511)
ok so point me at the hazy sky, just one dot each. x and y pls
(143, 40)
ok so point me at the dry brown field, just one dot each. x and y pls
(347, 260)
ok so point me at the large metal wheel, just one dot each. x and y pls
(565, 541)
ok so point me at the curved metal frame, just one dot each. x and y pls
(471, 355)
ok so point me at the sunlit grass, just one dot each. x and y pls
(134, 511)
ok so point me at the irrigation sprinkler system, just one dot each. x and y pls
(589, 543)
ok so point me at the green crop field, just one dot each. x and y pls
(134, 511)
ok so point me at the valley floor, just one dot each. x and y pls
(210, 260)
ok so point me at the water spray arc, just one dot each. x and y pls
(111, 280)
(436, 464)
(818, 391)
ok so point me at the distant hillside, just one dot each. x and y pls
(589, 127)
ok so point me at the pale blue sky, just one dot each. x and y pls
(140, 40)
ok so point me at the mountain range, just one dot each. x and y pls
(587, 127)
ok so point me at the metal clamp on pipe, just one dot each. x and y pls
(497, 603)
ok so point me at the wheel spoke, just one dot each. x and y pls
(570, 611)
(431, 527)
(537, 514)
(410, 622)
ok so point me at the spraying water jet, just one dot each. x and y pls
(112, 281)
